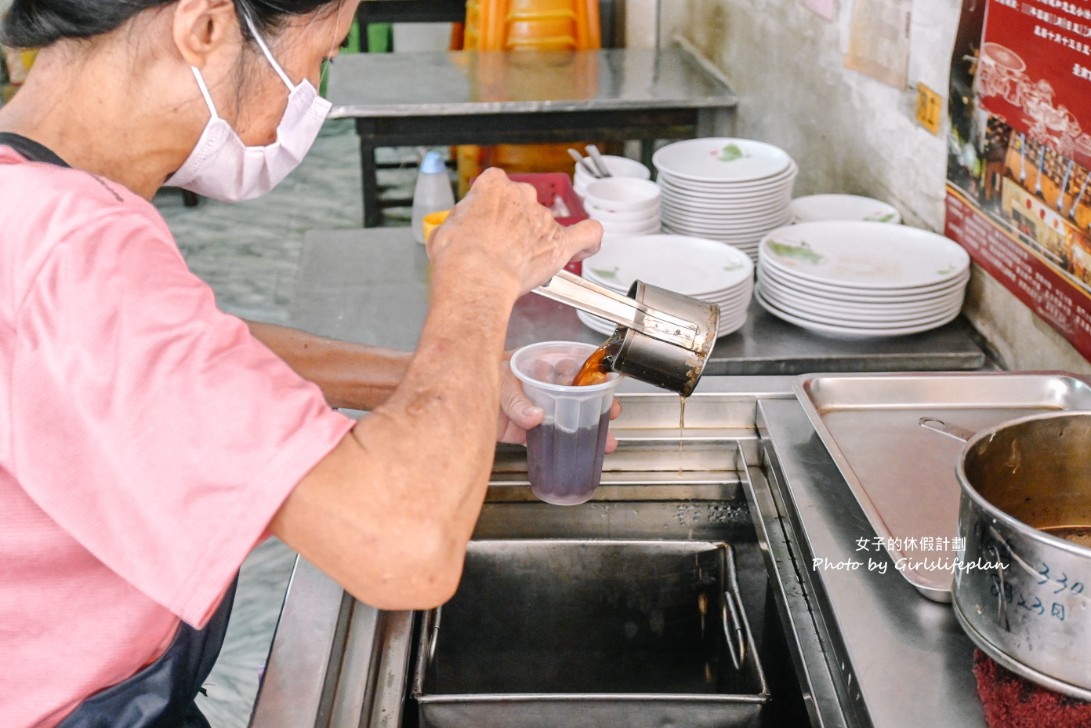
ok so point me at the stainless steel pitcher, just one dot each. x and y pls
(664, 338)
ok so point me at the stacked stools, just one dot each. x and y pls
(525, 25)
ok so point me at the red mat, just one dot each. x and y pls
(1012, 702)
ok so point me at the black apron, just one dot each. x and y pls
(162, 694)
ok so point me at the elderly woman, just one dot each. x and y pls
(148, 441)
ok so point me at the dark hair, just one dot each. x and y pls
(38, 23)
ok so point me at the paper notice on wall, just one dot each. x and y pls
(879, 40)
(826, 8)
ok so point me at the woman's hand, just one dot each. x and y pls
(500, 224)
(518, 414)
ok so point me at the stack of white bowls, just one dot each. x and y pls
(624, 205)
(704, 269)
(861, 279)
(617, 166)
(730, 190)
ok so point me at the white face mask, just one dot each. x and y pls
(223, 168)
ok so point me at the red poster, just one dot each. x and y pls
(1034, 71)
(1019, 198)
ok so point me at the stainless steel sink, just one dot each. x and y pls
(663, 485)
(552, 632)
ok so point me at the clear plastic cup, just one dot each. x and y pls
(564, 453)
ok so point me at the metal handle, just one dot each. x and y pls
(587, 296)
(734, 634)
(600, 163)
(945, 428)
(433, 631)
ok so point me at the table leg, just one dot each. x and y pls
(714, 122)
(369, 178)
(647, 149)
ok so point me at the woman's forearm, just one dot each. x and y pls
(388, 513)
(351, 376)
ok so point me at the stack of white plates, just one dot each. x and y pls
(704, 269)
(861, 279)
(815, 208)
(730, 190)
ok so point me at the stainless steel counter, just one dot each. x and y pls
(861, 648)
(370, 286)
(866, 648)
(889, 656)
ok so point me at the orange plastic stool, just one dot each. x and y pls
(515, 25)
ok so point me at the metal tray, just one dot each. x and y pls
(904, 475)
(575, 633)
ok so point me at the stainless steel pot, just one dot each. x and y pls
(1022, 587)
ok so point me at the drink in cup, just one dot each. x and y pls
(564, 453)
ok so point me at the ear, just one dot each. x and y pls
(202, 28)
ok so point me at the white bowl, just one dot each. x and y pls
(631, 228)
(618, 166)
(619, 194)
(642, 215)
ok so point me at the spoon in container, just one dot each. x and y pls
(600, 163)
(584, 162)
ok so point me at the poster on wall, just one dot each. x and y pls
(1019, 151)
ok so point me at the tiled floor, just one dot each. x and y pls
(248, 253)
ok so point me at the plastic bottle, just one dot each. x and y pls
(432, 192)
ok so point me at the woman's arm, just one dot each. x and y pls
(389, 512)
(351, 376)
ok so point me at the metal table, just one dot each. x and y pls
(875, 651)
(370, 286)
(867, 648)
(465, 97)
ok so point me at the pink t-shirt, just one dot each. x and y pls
(146, 439)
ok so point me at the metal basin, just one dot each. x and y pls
(590, 633)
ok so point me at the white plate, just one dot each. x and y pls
(839, 305)
(728, 210)
(760, 223)
(602, 326)
(898, 296)
(773, 185)
(855, 314)
(784, 178)
(868, 255)
(742, 214)
(718, 159)
(849, 331)
(749, 238)
(688, 265)
(815, 208)
(861, 324)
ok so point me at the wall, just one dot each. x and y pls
(849, 132)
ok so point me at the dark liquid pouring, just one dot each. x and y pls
(599, 365)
